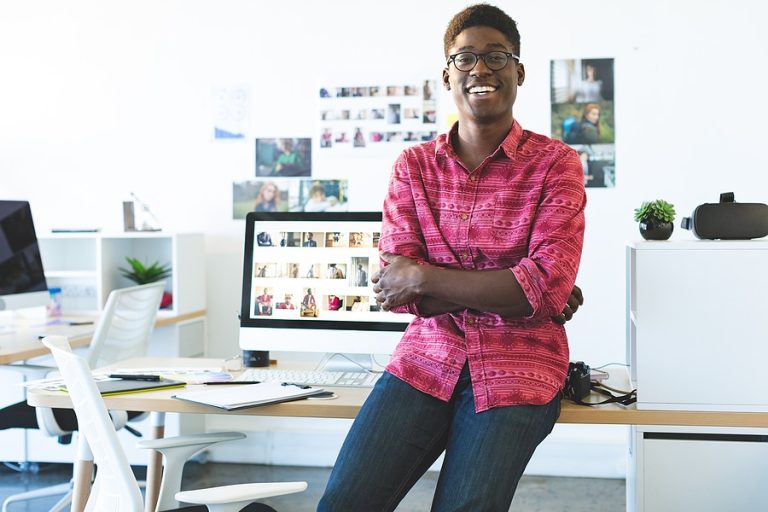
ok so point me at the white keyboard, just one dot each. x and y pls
(311, 377)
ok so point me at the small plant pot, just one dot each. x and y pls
(653, 229)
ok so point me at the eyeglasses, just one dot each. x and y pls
(466, 61)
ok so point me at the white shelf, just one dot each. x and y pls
(71, 274)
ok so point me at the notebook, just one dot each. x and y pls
(121, 386)
(239, 397)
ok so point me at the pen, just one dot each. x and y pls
(231, 382)
(81, 323)
(128, 376)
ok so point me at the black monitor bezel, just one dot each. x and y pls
(245, 300)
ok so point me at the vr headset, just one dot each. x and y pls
(728, 220)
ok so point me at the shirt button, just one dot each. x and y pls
(470, 321)
(465, 255)
(464, 216)
(473, 178)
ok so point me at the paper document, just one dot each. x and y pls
(250, 395)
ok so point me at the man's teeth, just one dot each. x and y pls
(479, 89)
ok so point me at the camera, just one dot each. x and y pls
(577, 382)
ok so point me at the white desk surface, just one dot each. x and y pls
(349, 400)
(24, 342)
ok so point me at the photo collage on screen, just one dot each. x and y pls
(315, 275)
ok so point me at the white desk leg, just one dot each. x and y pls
(155, 463)
(83, 472)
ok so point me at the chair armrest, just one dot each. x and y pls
(240, 494)
(189, 440)
(176, 451)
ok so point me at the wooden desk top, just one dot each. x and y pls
(24, 342)
(348, 402)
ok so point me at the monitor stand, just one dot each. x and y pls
(338, 362)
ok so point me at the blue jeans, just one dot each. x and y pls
(400, 432)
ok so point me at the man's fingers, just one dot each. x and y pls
(576, 293)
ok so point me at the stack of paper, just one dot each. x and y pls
(250, 395)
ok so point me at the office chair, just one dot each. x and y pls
(115, 487)
(122, 331)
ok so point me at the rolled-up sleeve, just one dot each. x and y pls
(548, 273)
(400, 230)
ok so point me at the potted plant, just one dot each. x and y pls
(140, 273)
(655, 218)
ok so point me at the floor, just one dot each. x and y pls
(534, 494)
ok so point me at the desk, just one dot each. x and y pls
(24, 343)
(348, 404)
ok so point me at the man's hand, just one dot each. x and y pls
(396, 283)
(575, 300)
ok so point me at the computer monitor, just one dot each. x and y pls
(22, 280)
(307, 285)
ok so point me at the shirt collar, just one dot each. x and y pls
(444, 147)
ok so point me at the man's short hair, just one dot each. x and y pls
(481, 15)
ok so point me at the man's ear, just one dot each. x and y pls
(446, 80)
(520, 74)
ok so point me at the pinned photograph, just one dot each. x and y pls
(284, 157)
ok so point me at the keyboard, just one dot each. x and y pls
(311, 377)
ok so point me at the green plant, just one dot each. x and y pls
(142, 274)
(658, 209)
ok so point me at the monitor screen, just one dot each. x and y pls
(307, 284)
(22, 281)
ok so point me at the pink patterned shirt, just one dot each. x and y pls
(521, 209)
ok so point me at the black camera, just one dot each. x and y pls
(577, 382)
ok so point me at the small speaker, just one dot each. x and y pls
(728, 220)
(255, 358)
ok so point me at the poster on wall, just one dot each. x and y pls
(230, 112)
(284, 157)
(364, 117)
(583, 113)
(289, 195)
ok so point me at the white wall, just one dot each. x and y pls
(101, 98)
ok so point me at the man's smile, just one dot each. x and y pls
(481, 89)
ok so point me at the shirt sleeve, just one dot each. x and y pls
(548, 273)
(400, 231)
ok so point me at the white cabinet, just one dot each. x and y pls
(85, 266)
(697, 339)
(698, 324)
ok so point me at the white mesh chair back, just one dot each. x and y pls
(115, 487)
(126, 324)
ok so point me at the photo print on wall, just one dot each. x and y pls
(289, 195)
(370, 116)
(283, 157)
(583, 113)
(230, 112)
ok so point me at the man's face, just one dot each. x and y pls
(483, 95)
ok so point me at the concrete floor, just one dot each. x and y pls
(534, 494)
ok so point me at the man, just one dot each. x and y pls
(264, 239)
(308, 304)
(361, 276)
(481, 241)
(310, 242)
